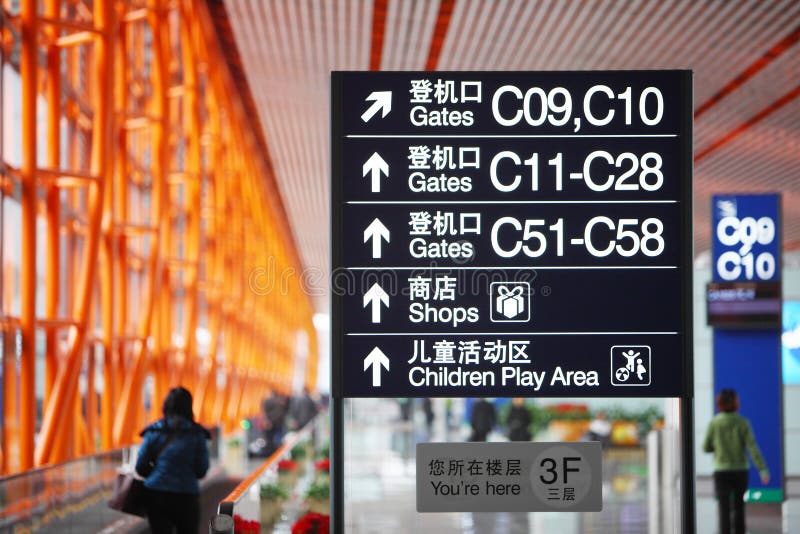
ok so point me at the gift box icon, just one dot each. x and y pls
(510, 301)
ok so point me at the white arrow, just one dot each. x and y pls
(375, 165)
(376, 359)
(376, 231)
(375, 296)
(381, 100)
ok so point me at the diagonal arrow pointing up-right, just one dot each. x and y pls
(381, 101)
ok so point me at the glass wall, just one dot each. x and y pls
(640, 441)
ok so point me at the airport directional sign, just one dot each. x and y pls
(511, 233)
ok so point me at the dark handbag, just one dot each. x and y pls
(130, 494)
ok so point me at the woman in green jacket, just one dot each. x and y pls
(728, 436)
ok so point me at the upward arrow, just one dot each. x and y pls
(375, 165)
(376, 359)
(376, 231)
(375, 296)
(381, 100)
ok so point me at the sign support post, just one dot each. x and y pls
(688, 491)
(688, 508)
(337, 467)
(337, 400)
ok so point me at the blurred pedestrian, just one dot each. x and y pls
(405, 408)
(600, 429)
(427, 409)
(172, 458)
(729, 436)
(519, 421)
(482, 419)
(448, 412)
(302, 409)
(275, 408)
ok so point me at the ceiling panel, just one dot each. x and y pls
(745, 55)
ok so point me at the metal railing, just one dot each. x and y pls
(50, 496)
(243, 501)
(75, 491)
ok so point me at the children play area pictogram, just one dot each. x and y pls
(630, 365)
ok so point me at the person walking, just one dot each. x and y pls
(275, 409)
(729, 436)
(173, 456)
(427, 409)
(519, 421)
(482, 419)
(600, 429)
(302, 409)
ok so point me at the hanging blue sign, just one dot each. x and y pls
(746, 237)
(744, 306)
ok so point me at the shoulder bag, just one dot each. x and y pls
(129, 492)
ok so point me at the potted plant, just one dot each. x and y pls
(318, 496)
(272, 497)
(232, 451)
(287, 472)
(299, 454)
(631, 426)
(324, 451)
(568, 421)
(323, 466)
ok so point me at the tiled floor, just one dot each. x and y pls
(380, 488)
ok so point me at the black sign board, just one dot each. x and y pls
(511, 234)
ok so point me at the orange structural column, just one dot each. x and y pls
(126, 420)
(50, 448)
(53, 263)
(28, 200)
(194, 173)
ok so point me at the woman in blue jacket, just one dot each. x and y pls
(172, 458)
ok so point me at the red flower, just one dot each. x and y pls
(567, 407)
(245, 526)
(323, 465)
(312, 523)
(287, 465)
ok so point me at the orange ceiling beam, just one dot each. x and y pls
(769, 56)
(379, 10)
(443, 18)
(735, 132)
